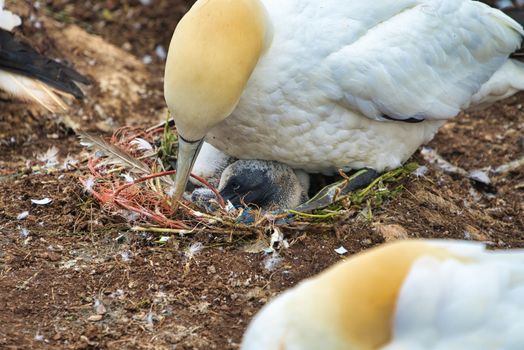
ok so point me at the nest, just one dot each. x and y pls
(130, 175)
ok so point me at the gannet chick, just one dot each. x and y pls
(267, 185)
(407, 295)
(30, 76)
(264, 184)
(332, 84)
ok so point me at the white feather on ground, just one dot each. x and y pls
(8, 20)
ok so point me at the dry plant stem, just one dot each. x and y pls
(149, 201)
(156, 217)
(161, 230)
(135, 132)
(167, 173)
(511, 166)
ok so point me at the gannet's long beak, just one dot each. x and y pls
(187, 154)
(214, 50)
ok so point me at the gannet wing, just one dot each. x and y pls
(424, 62)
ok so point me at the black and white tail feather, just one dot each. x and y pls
(28, 75)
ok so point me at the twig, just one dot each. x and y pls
(513, 165)
(161, 230)
(23, 286)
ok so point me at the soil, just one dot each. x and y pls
(73, 276)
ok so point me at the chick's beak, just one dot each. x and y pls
(187, 154)
(228, 194)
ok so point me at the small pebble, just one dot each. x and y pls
(95, 318)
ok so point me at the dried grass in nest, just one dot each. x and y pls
(126, 175)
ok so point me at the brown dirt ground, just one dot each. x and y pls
(79, 279)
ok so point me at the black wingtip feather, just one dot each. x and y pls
(517, 14)
(20, 58)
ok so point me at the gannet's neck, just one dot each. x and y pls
(213, 52)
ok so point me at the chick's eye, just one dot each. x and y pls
(235, 186)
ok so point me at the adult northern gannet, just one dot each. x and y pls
(407, 295)
(327, 85)
(28, 75)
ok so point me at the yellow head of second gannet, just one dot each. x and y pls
(413, 294)
(354, 301)
(212, 54)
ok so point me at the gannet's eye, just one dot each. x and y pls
(234, 185)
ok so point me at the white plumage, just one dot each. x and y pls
(447, 296)
(332, 84)
(317, 97)
(452, 305)
(210, 164)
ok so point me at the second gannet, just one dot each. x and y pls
(327, 85)
(406, 295)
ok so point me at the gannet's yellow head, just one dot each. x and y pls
(349, 306)
(212, 54)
